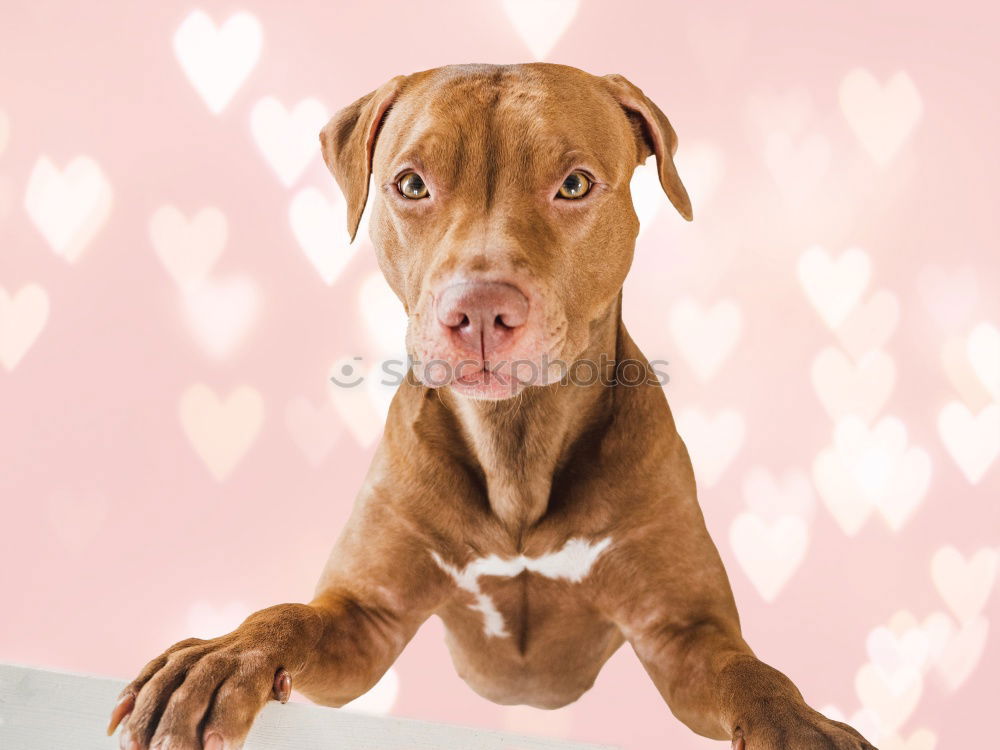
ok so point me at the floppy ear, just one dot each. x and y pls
(654, 136)
(348, 143)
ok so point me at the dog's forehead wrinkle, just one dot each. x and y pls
(491, 121)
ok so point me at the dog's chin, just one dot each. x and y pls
(485, 385)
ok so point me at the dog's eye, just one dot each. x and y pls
(412, 186)
(576, 185)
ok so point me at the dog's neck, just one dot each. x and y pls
(521, 443)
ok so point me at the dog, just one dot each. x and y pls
(530, 487)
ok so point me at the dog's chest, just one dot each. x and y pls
(497, 588)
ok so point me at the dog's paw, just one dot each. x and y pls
(796, 727)
(198, 694)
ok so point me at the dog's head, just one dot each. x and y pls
(501, 210)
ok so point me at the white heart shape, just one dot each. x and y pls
(847, 503)
(798, 166)
(316, 224)
(921, 739)
(973, 440)
(939, 629)
(864, 720)
(647, 194)
(22, 318)
(288, 140)
(351, 396)
(845, 388)
(892, 475)
(540, 23)
(965, 585)
(907, 489)
(871, 454)
(188, 248)
(701, 166)
(768, 551)
(983, 350)
(961, 376)
(712, 442)
(963, 652)
(893, 703)
(868, 326)
(220, 314)
(882, 117)
(217, 60)
(221, 431)
(900, 658)
(705, 337)
(68, 206)
(902, 621)
(771, 497)
(384, 316)
(834, 287)
(313, 429)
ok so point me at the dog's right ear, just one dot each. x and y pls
(655, 136)
(348, 143)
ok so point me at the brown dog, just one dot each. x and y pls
(545, 514)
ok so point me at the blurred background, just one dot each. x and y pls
(176, 287)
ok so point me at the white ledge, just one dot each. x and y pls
(46, 710)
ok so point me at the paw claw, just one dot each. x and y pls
(282, 686)
(122, 709)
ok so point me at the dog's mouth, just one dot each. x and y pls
(485, 383)
(483, 374)
(499, 378)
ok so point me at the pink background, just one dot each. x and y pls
(830, 318)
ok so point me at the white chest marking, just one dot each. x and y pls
(571, 563)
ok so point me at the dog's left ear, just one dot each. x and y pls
(348, 143)
(655, 136)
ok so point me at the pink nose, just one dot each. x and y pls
(480, 316)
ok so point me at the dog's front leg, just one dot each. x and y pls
(712, 682)
(665, 586)
(379, 586)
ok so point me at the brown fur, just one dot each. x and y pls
(468, 478)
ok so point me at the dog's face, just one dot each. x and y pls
(501, 210)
